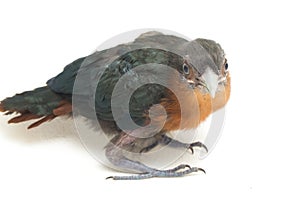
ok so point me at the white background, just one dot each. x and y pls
(258, 153)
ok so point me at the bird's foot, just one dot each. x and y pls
(196, 144)
(177, 144)
(175, 172)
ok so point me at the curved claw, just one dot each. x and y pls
(197, 144)
(179, 167)
(192, 149)
(200, 169)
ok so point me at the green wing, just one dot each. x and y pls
(96, 76)
(99, 79)
(63, 83)
(121, 80)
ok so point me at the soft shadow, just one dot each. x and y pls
(58, 129)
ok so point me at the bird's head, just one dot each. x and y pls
(210, 73)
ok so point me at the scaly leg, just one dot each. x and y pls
(115, 156)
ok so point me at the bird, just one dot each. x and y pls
(179, 85)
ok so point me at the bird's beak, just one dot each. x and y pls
(210, 81)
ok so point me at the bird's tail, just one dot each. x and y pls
(41, 103)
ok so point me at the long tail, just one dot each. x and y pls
(41, 103)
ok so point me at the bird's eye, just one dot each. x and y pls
(226, 66)
(185, 68)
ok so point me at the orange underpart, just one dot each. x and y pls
(186, 107)
(192, 107)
